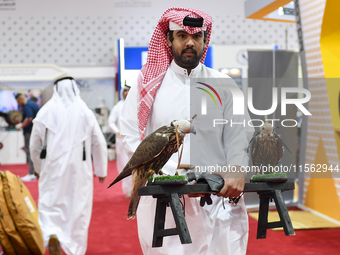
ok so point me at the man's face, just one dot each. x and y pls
(21, 101)
(187, 49)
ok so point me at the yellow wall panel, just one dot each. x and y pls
(321, 38)
(333, 90)
(322, 194)
(330, 51)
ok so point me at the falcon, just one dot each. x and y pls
(12, 117)
(266, 147)
(151, 155)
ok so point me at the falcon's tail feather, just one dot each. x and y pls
(137, 181)
(133, 206)
(121, 176)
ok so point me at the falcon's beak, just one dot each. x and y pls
(192, 129)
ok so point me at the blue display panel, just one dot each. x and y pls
(133, 57)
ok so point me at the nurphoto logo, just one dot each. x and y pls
(239, 103)
(204, 98)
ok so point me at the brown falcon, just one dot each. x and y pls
(266, 148)
(151, 155)
(12, 117)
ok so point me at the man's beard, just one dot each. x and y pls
(186, 62)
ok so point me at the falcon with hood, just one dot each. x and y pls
(151, 155)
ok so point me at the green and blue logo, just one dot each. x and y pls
(204, 99)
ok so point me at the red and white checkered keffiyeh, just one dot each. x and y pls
(160, 56)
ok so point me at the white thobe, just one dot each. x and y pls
(213, 229)
(122, 157)
(66, 180)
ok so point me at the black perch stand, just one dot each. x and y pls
(169, 195)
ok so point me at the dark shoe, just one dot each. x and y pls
(53, 245)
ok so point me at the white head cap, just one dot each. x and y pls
(174, 26)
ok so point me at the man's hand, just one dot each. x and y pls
(25, 123)
(233, 187)
(233, 183)
(101, 179)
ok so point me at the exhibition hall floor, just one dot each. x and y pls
(110, 233)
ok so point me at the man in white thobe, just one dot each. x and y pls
(122, 157)
(67, 130)
(162, 94)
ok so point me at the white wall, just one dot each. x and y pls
(82, 32)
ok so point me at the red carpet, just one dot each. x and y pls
(110, 233)
(305, 242)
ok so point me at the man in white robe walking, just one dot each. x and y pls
(122, 157)
(67, 132)
(160, 95)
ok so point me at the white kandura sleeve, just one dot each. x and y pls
(36, 145)
(236, 135)
(129, 122)
(99, 151)
(170, 166)
(113, 119)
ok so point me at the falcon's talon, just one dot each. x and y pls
(154, 176)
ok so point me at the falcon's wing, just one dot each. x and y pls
(276, 135)
(255, 149)
(251, 140)
(147, 150)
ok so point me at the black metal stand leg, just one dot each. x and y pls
(181, 226)
(283, 213)
(159, 223)
(263, 223)
(263, 216)
(179, 218)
